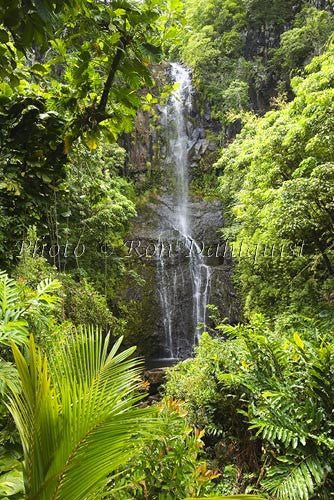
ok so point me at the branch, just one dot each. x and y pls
(323, 249)
(322, 206)
(111, 75)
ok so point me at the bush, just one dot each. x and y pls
(84, 305)
(266, 397)
(170, 467)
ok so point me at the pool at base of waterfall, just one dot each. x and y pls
(161, 363)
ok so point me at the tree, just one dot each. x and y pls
(86, 59)
(277, 185)
(71, 70)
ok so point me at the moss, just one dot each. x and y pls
(139, 307)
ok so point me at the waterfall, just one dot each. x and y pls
(180, 327)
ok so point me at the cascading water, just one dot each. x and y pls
(181, 331)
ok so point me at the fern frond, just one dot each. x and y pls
(232, 497)
(272, 431)
(8, 293)
(13, 331)
(8, 377)
(46, 288)
(296, 481)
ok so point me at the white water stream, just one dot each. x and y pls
(171, 281)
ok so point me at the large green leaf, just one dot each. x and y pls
(11, 483)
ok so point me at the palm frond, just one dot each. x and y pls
(77, 418)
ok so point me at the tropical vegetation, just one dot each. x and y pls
(251, 414)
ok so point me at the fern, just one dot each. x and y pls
(282, 384)
(16, 331)
(271, 432)
(295, 481)
(231, 497)
(46, 288)
(12, 324)
(9, 296)
(14, 314)
(8, 377)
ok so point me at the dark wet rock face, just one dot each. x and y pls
(207, 221)
(206, 216)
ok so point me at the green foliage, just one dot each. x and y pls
(201, 375)
(82, 45)
(73, 69)
(211, 45)
(77, 415)
(311, 31)
(170, 465)
(89, 222)
(21, 308)
(259, 12)
(284, 480)
(84, 305)
(31, 22)
(95, 206)
(235, 497)
(20, 304)
(13, 325)
(23, 25)
(84, 226)
(31, 267)
(11, 455)
(31, 166)
(11, 478)
(277, 187)
(241, 54)
(80, 301)
(73, 76)
(277, 383)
